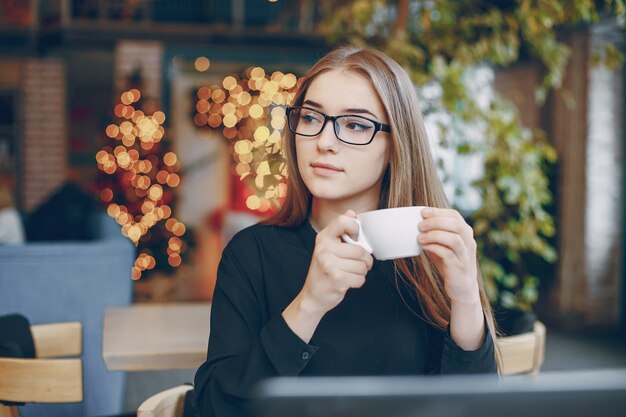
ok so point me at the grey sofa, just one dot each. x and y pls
(73, 281)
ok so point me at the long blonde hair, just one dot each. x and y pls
(410, 179)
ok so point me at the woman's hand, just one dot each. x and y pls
(449, 241)
(335, 267)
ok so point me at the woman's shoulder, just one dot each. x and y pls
(258, 230)
(261, 235)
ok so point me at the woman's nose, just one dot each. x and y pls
(326, 140)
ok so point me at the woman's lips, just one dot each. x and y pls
(325, 169)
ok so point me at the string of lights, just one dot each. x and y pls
(249, 110)
(147, 179)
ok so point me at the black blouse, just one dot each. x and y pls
(375, 330)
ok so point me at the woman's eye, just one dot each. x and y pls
(357, 126)
(309, 118)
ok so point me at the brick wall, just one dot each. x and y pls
(44, 144)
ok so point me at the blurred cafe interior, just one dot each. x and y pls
(137, 137)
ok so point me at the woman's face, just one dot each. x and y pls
(332, 170)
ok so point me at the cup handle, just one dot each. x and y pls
(361, 240)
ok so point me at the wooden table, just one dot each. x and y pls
(148, 337)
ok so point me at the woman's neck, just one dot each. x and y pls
(324, 211)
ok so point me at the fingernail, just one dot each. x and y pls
(427, 212)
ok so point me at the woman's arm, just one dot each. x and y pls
(449, 241)
(250, 341)
(446, 357)
(335, 267)
(246, 344)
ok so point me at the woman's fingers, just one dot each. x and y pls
(351, 251)
(353, 266)
(452, 241)
(451, 224)
(429, 212)
(349, 276)
(442, 252)
(345, 223)
(449, 220)
(444, 226)
(342, 259)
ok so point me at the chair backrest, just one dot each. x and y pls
(168, 403)
(56, 340)
(523, 353)
(44, 380)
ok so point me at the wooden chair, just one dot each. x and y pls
(523, 353)
(43, 379)
(168, 403)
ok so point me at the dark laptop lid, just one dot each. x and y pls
(569, 394)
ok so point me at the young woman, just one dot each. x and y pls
(293, 299)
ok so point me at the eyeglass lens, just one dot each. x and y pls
(350, 128)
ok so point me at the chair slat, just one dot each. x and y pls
(540, 332)
(523, 353)
(57, 339)
(41, 380)
(168, 403)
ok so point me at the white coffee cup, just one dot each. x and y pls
(389, 233)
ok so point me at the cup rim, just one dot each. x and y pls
(391, 209)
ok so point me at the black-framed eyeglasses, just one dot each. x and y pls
(349, 128)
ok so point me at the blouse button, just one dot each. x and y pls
(306, 356)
